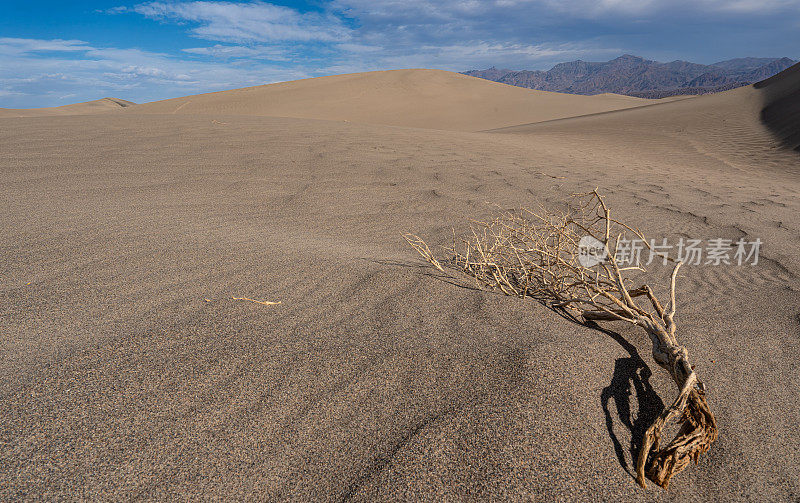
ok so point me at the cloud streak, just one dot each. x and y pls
(256, 21)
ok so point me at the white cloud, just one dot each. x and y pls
(446, 34)
(243, 22)
(751, 6)
(418, 32)
(426, 10)
(457, 57)
(646, 8)
(269, 52)
(359, 48)
(29, 45)
(77, 69)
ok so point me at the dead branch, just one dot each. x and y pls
(418, 244)
(262, 302)
(573, 260)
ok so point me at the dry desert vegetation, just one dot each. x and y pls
(210, 296)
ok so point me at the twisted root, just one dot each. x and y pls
(698, 431)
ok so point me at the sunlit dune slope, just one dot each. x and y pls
(432, 99)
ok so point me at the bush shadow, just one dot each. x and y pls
(630, 381)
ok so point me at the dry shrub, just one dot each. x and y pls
(572, 260)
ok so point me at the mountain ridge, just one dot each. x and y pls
(635, 76)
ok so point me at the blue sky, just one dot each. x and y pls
(59, 52)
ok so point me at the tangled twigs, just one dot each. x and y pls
(571, 260)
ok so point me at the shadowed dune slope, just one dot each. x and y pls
(432, 99)
(88, 107)
(781, 113)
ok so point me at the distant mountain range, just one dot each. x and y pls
(640, 77)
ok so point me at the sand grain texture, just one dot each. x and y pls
(129, 373)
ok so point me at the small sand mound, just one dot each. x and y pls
(88, 107)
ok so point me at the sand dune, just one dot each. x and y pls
(89, 107)
(744, 125)
(414, 98)
(130, 373)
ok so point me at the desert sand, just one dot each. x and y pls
(130, 373)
